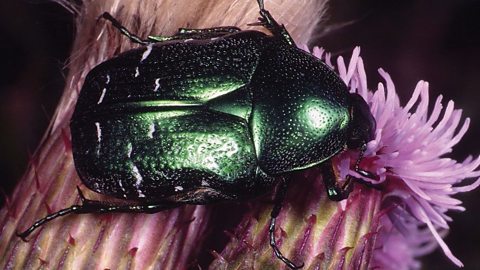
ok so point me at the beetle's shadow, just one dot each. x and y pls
(225, 217)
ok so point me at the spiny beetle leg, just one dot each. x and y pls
(219, 30)
(192, 33)
(367, 174)
(272, 25)
(365, 183)
(261, 5)
(334, 192)
(40, 222)
(278, 202)
(92, 206)
(183, 33)
(362, 172)
(134, 38)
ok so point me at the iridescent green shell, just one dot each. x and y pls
(203, 120)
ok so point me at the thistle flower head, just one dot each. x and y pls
(409, 156)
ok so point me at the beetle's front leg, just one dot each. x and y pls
(360, 171)
(335, 192)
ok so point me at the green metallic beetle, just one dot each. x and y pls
(211, 115)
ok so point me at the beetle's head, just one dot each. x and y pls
(362, 124)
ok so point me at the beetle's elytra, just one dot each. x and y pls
(209, 115)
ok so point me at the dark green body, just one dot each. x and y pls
(205, 120)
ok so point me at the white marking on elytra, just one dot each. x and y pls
(137, 72)
(139, 181)
(205, 183)
(146, 53)
(157, 85)
(129, 150)
(178, 188)
(104, 91)
(151, 130)
(99, 137)
(137, 176)
(122, 188)
(214, 38)
(99, 132)
(108, 79)
(188, 39)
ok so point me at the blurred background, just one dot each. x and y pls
(436, 41)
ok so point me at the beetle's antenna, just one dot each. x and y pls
(278, 202)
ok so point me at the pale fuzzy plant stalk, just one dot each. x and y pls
(166, 240)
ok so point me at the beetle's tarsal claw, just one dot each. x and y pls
(259, 23)
(337, 194)
(267, 19)
(22, 235)
(80, 194)
(103, 16)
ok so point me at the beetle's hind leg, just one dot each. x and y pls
(278, 202)
(92, 206)
(134, 38)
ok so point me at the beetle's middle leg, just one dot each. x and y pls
(278, 202)
(92, 206)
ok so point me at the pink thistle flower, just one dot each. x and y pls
(408, 156)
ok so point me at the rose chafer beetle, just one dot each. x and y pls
(211, 115)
